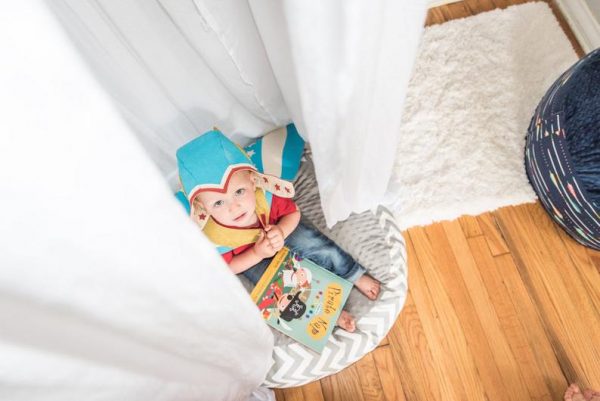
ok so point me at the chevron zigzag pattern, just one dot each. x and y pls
(374, 239)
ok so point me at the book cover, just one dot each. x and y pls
(300, 298)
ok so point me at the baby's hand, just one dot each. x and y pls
(275, 237)
(263, 247)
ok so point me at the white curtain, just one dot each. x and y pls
(176, 69)
(107, 290)
(343, 67)
(338, 69)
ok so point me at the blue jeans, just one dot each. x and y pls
(311, 244)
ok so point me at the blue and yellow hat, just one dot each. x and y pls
(208, 162)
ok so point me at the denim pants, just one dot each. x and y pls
(309, 243)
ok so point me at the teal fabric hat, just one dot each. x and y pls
(208, 162)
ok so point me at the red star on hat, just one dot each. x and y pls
(277, 187)
(287, 190)
(202, 216)
(265, 179)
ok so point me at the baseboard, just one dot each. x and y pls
(582, 22)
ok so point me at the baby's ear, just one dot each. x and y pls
(254, 178)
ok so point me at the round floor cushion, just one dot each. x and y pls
(562, 155)
(374, 240)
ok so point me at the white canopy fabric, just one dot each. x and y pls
(107, 290)
(338, 69)
(343, 67)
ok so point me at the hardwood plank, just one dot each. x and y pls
(587, 263)
(538, 343)
(343, 386)
(445, 12)
(582, 284)
(434, 17)
(491, 352)
(412, 355)
(313, 391)
(389, 374)
(445, 334)
(502, 3)
(458, 10)
(523, 360)
(369, 379)
(470, 226)
(492, 234)
(330, 387)
(576, 289)
(479, 6)
(543, 276)
(279, 394)
(293, 394)
(384, 342)
(594, 258)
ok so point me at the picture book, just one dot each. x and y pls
(300, 298)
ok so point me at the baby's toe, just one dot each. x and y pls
(374, 291)
(570, 391)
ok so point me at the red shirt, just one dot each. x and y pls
(279, 208)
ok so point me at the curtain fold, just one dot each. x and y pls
(338, 69)
(343, 68)
(178, 68)
(107, 290)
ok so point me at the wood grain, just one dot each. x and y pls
(388, 374)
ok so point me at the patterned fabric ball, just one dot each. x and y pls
(562, 155)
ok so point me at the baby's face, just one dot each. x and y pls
(237, 206)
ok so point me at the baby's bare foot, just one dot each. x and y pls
(346, 321)
(368, 286)
(591, 395)
(573, 393)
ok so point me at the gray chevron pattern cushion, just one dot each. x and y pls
(375, 241)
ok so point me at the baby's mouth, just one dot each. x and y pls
(241, 216)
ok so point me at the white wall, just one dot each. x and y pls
(583, 17)
(594, 6)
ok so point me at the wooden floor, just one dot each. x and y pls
(501, 307)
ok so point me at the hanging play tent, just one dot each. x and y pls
(116, 288)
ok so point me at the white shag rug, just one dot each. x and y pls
(475, 86)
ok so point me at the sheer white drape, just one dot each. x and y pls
(107, 290)
(343, 67)
(178, 68)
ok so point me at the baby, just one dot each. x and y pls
(250, 216)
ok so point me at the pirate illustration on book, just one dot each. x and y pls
(295, 275)
(287, 295)
(287, 305)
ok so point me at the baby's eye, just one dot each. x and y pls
(218, 203)
(240, 191)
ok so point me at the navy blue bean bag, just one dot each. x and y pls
(562, 155)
